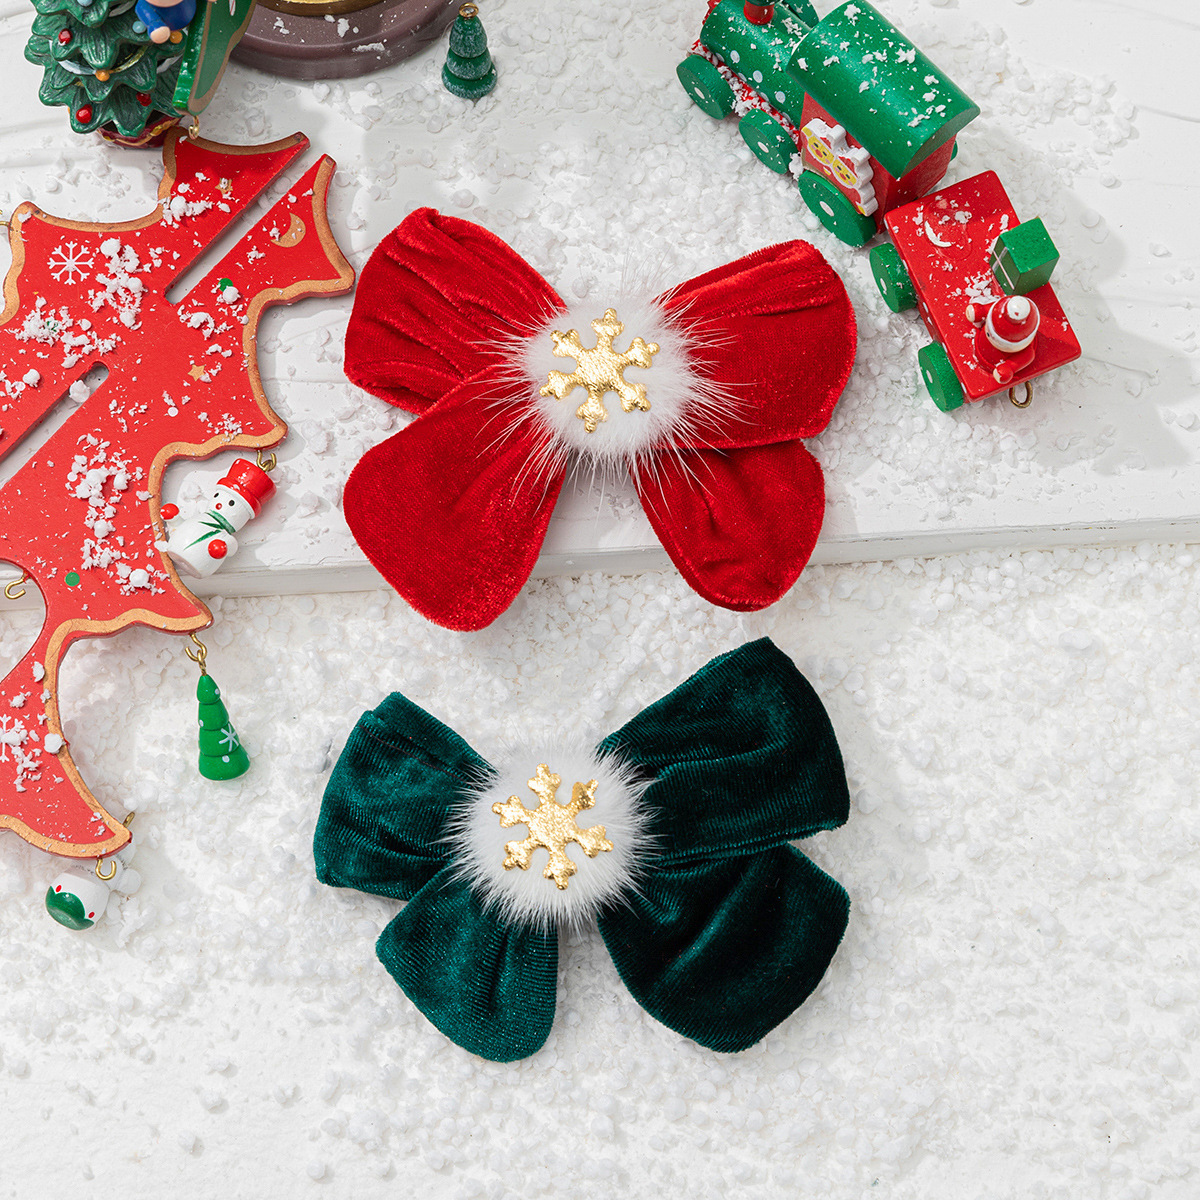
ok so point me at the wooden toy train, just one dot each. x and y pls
(867, 124)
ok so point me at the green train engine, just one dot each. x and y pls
(847, 103)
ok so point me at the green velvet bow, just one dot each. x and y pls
(730, 928)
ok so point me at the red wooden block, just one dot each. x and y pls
(889, 192)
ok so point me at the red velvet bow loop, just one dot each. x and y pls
(776, 330)
(454, 508)
(439, 297)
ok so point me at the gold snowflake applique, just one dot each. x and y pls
(599, 370)
(551, 826)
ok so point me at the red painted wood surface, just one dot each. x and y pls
(81, 516)
(944, 240)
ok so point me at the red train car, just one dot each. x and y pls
(980, 279)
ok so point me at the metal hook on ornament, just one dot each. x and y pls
(198, 658)
(269, 463)
(10, 589)
(1012, 396)
(112, 862)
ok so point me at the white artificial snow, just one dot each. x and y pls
(1011, 1014)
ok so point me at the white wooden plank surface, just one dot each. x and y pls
(1110, 452)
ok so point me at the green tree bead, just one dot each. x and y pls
(222, 755)
(468, 71)
(468, 38)
(468, 68)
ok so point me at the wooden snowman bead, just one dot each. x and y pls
(199, 545)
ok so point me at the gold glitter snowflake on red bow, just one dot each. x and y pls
(599, 370)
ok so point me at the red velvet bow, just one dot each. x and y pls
(453, 509)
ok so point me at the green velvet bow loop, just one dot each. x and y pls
(743, 757)
(723, 951)
(383, 822)
(728, 930)
(486, 985)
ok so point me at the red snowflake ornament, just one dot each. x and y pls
(451, 324)
(81, 516)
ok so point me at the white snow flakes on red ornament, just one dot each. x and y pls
(12, 744)
(122, 287)
(102, 483)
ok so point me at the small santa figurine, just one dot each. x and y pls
(1006, 335)
(201, 544)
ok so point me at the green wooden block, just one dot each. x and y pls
(1023, 258)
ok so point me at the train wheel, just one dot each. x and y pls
(706, 85)
(939, 377)
(892, 278)
(834, 211)
(770, 143)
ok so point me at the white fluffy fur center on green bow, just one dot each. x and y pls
(480, 841)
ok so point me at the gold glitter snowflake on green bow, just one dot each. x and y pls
(599, 370)
(551, 826)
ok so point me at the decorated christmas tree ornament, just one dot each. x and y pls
(127, 70)
(674, 842)
(199, 545)
(97, 61)
(468, 71)
(78, 898)
(81, 517)
(222, 755)
(701, 394)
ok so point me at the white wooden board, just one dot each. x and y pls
(589, 157)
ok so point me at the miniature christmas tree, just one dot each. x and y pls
(222, 755)
(99, 63)
(469, 71)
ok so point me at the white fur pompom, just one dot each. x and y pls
(676, 391)
(479, 840)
